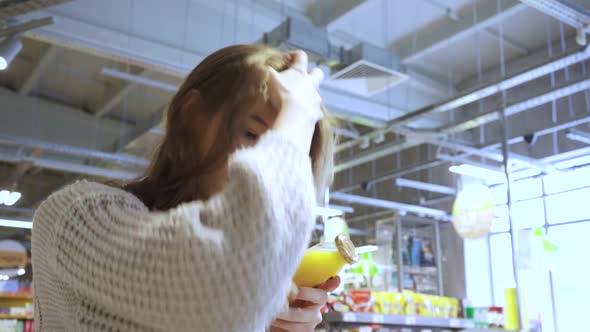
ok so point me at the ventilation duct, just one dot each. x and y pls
(367, 71)
(364, 70)
(298, 34)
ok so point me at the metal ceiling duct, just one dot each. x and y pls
(365, 70)
(12, 8)
(298, 34)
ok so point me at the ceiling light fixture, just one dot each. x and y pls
(401, 182)
(4, 196)
(9, 198)
(12, 198)
(9, 48)
(490, 176)
(327, 212)
(16, 223)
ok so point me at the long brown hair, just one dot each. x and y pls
(225, 81)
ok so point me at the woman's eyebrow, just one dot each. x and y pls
(260, 120)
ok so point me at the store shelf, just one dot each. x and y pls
(19, 297)
(427, 270)
(350, 318)
(8, 316)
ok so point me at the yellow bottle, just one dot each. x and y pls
(324, 261)
(319, 264)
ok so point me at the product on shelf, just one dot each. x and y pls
(405, 303)
(361, 300)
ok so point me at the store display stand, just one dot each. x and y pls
(336, 321)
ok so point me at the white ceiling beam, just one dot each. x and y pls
(114, 100)
(438, 36)
(38, 70)
(518, 46)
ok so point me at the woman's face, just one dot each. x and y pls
(254, 123)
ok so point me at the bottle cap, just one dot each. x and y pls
(346, 249)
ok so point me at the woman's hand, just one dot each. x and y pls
(294, 92)
(305, 316)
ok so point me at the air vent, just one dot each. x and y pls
(365, 78)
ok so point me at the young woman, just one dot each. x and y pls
(209, 238)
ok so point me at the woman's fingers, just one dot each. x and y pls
(330, 285)
(283, 326)
(299, 60)
(317, 76)
(309, 314)
(314, 295)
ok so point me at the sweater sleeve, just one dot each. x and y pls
(220, 265)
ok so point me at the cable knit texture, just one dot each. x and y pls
(103, 262)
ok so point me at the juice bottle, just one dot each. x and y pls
(325, 260)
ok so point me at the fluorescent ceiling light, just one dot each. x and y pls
(16, 223)
(12, 198)
(580, 136)
(9, 49)
(400, 182)
(490, 176)
(4, 196)
(327, 212)
(21, 272)
(343, 208)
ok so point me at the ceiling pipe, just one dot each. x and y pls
(419, 185)
(118, 158)
(473, 95)
(391, 205)
(70, 167)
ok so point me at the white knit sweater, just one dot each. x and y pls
(103, 262)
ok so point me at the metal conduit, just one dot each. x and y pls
(118, 158)
(70, 167)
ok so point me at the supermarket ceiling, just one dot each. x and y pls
(99, 78)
